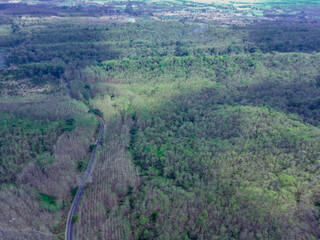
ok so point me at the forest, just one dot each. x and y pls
(212, 131)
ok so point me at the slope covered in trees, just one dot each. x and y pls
(212, 131)
(223, 151)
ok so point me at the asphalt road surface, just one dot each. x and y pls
(67, 87)
(82, 185)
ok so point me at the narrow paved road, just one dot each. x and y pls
(2, 59)
(82, 185)
(66, 86)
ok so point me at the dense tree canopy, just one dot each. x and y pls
(210, 134)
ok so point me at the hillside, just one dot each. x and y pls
(212, 128)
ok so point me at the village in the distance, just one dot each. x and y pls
(230, 12)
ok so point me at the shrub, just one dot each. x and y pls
(75, 218)
(92, 147)
(96, 112)
(287, 180)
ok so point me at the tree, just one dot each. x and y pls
(129, 8)
(75, 218)
(92, 147)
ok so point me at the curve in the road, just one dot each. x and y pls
(66, 86)
(82, 185)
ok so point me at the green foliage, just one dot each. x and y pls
(238, 147)
(130, 190)
(92, 147)
(222, 123)
(96, 112)
(214, 130)
(82, 165)
(67, 128)
(75, 218)
(154, 216)
(74, 192)
(22, 141)
(49, 202)
(70, 121)
(69, 125)
(45, 160)
(287, 180)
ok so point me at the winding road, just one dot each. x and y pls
(82, 185)
(66, 86)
